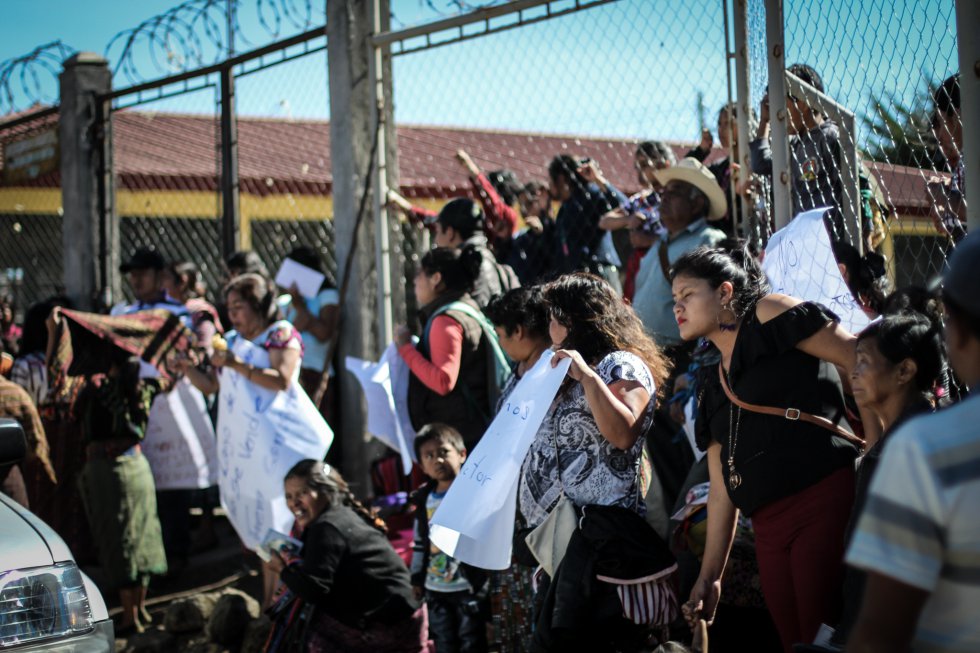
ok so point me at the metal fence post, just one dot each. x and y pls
(782, 199)
(379, 122)
(85, 78)
(351, 136)
(967, 20)
(743, 100)
(109, 241)
(230, 208)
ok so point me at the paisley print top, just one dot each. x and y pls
(593, 471)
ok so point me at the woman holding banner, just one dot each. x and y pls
(771, 418)
(252, 310)
(589, 448)
(450, 367)
(521, 318)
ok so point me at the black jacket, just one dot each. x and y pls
(349, 570)
(580, 612)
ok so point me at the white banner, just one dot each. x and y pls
(800, 262)
(475, 521)
(385, 385)
(179, 442)
(261, 434)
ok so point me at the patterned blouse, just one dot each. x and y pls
(593, 471)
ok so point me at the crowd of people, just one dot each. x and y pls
(826, 505)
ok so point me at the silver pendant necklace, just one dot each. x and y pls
(734, 417)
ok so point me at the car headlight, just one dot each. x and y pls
(42, 603)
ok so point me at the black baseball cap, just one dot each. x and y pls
(144, 258)
(462, 214)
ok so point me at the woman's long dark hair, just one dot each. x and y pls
(327, 481)
(717, 266)
(915, 336)
(599, 323)
(460, 268)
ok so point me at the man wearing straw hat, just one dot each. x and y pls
(690, 198)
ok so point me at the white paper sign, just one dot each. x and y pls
(179, 442)
(261, 434)
(307, 280)
(385, 385)
(800, 262)
(475, 521)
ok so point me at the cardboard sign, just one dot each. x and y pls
(179, 442)
(475, 521)
(261, 434)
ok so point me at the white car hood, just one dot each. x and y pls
(26, 541)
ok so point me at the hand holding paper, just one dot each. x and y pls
(307, 280)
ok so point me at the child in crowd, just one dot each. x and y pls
(453, 591)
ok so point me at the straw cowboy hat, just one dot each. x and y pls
(691, 171)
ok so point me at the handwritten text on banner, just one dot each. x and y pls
(800, 262)
(261, 434)
(475, 521)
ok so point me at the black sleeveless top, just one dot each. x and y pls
(776, 457)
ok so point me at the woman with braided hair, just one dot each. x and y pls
(347, 589)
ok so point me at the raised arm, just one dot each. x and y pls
(617, 407)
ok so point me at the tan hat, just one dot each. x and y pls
(691, 171)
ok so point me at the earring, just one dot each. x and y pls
(728, 307)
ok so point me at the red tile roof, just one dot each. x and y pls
(165, 151)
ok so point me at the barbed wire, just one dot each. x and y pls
(198, 33)
(29, 80)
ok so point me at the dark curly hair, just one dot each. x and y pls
(599, 322)
(327, 480)
(525, 307)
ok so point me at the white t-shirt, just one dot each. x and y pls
(921, 523)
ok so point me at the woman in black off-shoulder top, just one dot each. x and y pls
(795, 479)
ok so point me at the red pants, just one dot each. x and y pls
(799, 542)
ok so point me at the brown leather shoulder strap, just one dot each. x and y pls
(792, 414)
(664, 261)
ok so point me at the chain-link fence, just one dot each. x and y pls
(574, 88)
(860, 56)
(589, 81)
(594, 80)
(284, 154)
(165, 168)
(30, 212)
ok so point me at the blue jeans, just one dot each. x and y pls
(455, 622)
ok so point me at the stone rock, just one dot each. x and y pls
(231, 616)
(151, 641)
(190, 615)
(255, 635)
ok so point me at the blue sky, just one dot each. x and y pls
(634, 68)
